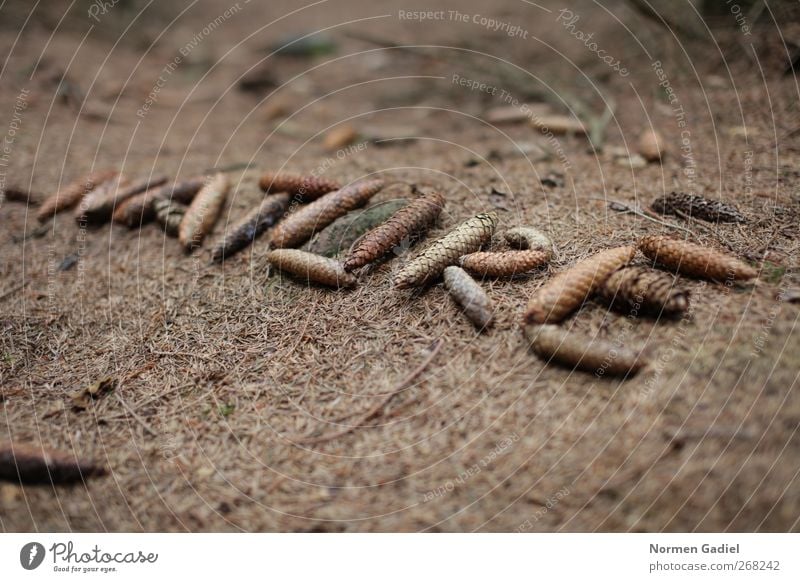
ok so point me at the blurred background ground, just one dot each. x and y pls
(216, 368)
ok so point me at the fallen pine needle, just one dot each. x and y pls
(375, 410)
(618, 206)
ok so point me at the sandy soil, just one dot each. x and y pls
(219, 369)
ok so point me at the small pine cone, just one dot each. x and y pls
(578, 352)
(38, 465)
(73, 193)
(637, 290)
(138, 209)
(503, 264)
(529, 238)
(694, 260)
(169, 215)
(312, 268)
(678, 203)
(467, 237)
(473, 299)
(306, 188)
(407, 224)
(264, 216)
(203, 212)
(565, 292)
(99, 205)
(298, 227)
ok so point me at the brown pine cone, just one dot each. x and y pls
(99, 205)
(694, 260)
(467, 237)
(305, 188)
(138, 209)
(35, 464)
(529, 238)
(678, 203)
(407, 224)
(262, 217)
(641, 290)
(298, 226)
(473, 299)
(203, 212)
(311, 268)
(565, 292)
(73, 193)
(578, 352)
(503, 264)
(169, 215)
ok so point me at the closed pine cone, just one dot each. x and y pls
(312, 268)
(644, 290)
(467, 237)
(473, 299)
(503, 264)
(694, 260)
(307, 188)
(565, 292)
(73, 193)
(678, 203)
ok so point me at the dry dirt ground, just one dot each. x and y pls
(219, 370)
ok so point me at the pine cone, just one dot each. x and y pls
(36, 464)
(407, 224)
(467, 237)
(503, 264)
(578, 352)
(473, 299)
(264, 216)
(138, 209)
(527, 237)
(678, 203)
(312, 268)
(73, 193)
(298, 227)
(641, 290)
(306, 188)
(99, 205)
(695, 260)
(203, 212)
(565, 292)
(169, 215)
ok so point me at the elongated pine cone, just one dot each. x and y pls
(35, 464)
(71, 194)
(203, 212)
(678, 203)
(138, 209)
(641, 290)
(99, 205)
(473, 299)
(529, 238)
(467, 237)
(565, 292)
(169, 215)
(579, 352)
(406, 225)
(311, 268)
(306, 188)
(504, 264)
(298, 227)
(694, 260)
(242, 234)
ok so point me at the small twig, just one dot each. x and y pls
(375, 410)
(135, 416)
(622, 207)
